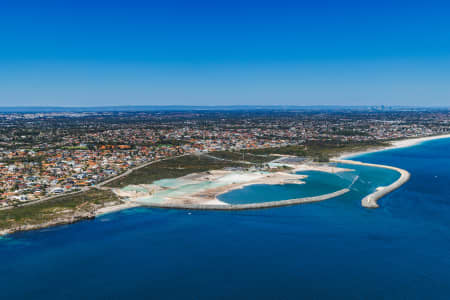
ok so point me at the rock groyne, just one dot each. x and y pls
(370, 201)
(249, 206)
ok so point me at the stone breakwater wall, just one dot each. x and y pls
(370, 201)
(250, 205)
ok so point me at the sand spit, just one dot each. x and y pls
(252, 205)
(370, 201)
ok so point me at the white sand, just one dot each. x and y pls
(320, 167)
(215, 202)
(203, 188)
(114, 208)
(394, 145)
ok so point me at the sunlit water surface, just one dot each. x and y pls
(332, 249)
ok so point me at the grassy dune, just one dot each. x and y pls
(60, 207)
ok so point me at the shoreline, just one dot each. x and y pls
(65, 220)
(207, 199)
(370, 200)
(260, 205)
(56, 222)
(115, 208)
(272, 179)
(397, 144)
(225, 181)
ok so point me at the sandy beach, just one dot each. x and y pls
(114, 208)
(394, 145)
(370, 201)
(189, 190)
(200, 190)
(207, 196)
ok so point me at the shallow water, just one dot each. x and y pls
(331, 249)
(182, 187)
(362, 180)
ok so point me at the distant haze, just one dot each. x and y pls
(214, 108)
(110, 53)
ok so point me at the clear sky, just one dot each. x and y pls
(87, 53)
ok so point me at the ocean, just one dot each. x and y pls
(333, 249)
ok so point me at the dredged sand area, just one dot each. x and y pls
(201, 190)
(256, 205)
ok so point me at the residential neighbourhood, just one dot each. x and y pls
(46, 154)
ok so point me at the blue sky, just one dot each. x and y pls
(79, 53)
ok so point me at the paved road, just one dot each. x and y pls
(98, 186)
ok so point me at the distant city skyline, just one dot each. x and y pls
(107, 53)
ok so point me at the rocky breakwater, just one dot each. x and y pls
(258, 205)
(370, 201)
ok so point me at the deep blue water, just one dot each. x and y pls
(333, 249)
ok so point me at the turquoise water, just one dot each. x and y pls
(266, 193)
(333, 249)
(362, 180)
(186, 187)
(134, 188)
